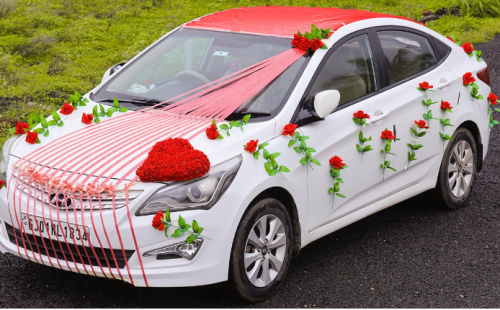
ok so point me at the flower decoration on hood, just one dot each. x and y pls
(67, 109)
(289, 130)
(22, 128)
(87, 118)
(32, 137)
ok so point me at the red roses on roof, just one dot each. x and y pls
(311, 41)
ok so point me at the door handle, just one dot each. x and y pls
(444, 83)
(382, 115)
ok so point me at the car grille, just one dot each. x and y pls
(102, 254)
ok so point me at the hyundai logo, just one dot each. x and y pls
(60, 200)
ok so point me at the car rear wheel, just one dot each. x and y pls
(261, 251)
(457, 172)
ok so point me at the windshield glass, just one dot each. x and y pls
(188, 59)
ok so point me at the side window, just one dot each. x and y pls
(349, 70)
(406, 54)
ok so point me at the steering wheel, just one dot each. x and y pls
(187, 75)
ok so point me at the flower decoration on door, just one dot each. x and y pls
(417, 133)
(470, 81)
(492, 102)
(300, 145)
(388, 138)
(359, 118)
(162, 222)
(311, 41)
(425, 87)
(271, 165)
(336, 164)
(428, 114)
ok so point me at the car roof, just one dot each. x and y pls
(281, 21)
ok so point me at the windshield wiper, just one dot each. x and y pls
(137, 101)
(238, 115)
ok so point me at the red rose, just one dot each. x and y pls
(468, 78)
(446, 105)
(421, 124)
(289, 130)
(31, 137)
(304, 44)
(296, 40)
(67, 109)
(360, 115)
(251, 146)
(451, 39)
(1, 184)
(468, 47)
(20, 128)
(316, 44)
(424, 86)
(212, 132)
(87, 118)
(493, 99)
(158, 221)
(336, 162)
(388, 135)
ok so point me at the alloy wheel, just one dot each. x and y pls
(460, 168)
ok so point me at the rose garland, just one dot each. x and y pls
(301, 148)
(336, 164)
(213, 132)
(311, 41)
(359, 118)
(388, 138)
(492, 101)
(417, 134)
(470, 81)
(425, 87)
(467, 47)
(272, 167)
(445, 107)
(163, 222)
(77, 100)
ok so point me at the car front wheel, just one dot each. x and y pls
(261, 251)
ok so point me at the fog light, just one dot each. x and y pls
(185, 250)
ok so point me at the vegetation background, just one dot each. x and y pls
(50, 48)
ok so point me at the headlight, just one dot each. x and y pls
(202, 193)
(4, 161)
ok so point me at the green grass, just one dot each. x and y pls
(49, 48)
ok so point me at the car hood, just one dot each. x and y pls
(217, 150)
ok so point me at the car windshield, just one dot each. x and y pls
(188, 59)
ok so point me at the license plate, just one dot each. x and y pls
(74, 234)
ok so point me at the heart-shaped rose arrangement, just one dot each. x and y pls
(173, 160)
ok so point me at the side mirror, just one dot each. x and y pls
(112, 70)
(326, 102)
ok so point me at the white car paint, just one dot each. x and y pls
(337, 135)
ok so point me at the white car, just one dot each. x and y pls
(255, 220)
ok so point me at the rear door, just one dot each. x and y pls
(410, 57)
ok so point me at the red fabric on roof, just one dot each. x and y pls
(281, 21)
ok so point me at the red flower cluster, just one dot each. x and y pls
(468, 78)
(31, 137)
(158, 221)
(336, 162)
(425, 86)
(67, 109)
(492, 98)
(1, 184)
(387, 135)
(87, 118)
(173, 160)
(20, 128)
(212, 132)
(289, 130)
(421, 124)
(449, 38)
(251, 146)
(445, 105)
(468, 47)
(305, 44)
(360, 115)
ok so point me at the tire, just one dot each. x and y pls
(452, 193)
(244, 281)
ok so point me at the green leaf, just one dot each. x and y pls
(166, 232)
(334, 173)
(214, 123)
(284, 169)
(480, 97)
(167, 215)
(303, 161)
(330, 190)
(340, 195)
(39, 130)
(224, 126)
(315, 161)
(474, 85)
(109, 113)
(101, 108)
(367, 148)
(336, 187)
(94, 110)
(256, 155)
(116, 104)
(46, 134)
(246, 118)
(12, 131)
(297, 149)
(497, 109)
(178, 232)
(414, 132)
(272, 173)
(495, 122)
(308, 155)
(265, 153)
(296, 135)
(340, 180)
(310, 149)
(268, 167)
(97, 120)
(263, 145)
(191, 238)
(60, 124)
(112, 110)
(237, 124)
(421, 134)
(359, 148)
(274, 156)
(303, 145)
(195, 226)
(220, 136)
(302, 138)
(182, 222)
(122, 109)
(52, 122)
(292, 142)
(55, 116)
(274, 164)
(392, 169)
